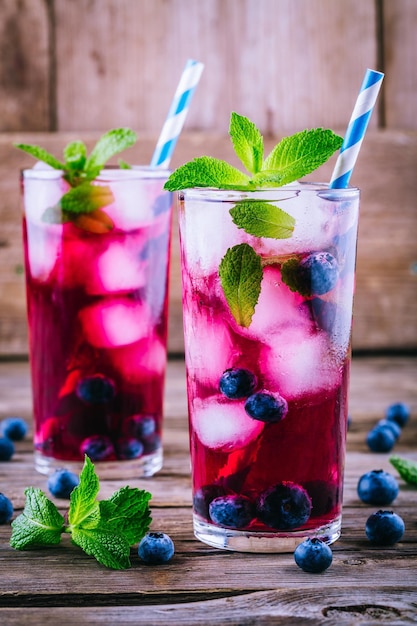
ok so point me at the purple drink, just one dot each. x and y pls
(97, 312)
(267, 394)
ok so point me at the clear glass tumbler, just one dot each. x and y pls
(97, 301)
(267, 326)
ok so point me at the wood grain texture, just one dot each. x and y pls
(24, 65)
(400, 59)
(277, 61)
(385, 315)
(203, 585)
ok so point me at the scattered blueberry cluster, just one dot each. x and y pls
(383, 436)
(11, 429)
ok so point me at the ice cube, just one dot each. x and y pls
(115, 322)
(208, 233)
(132, 207)
(220, 424)
(277, 306)
(44, 244)
(209, 346)
(295, 362)
(117, 269)
(141, 361)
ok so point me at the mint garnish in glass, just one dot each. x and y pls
(104, 529)
(83, 203)
(292, 158)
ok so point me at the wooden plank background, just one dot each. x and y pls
(73, 68)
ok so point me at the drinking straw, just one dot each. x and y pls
(177, 114)
(356, 129)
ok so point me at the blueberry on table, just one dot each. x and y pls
(384, 528)
(266, 407)
(236, 383)
(6, 449)
(377, 487)
(380, 439)
(62, 482)
(399, 413)
(97, 447)
(232, 511)
(156, 548)
(14, 428)
(391, 425)
(284, 506)
(6, 509)
(96, 389)
(313, 556)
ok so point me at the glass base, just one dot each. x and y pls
(136, 468)
(274, 541)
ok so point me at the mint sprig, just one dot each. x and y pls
(104, 529)
(292, 158)
(80, 170)
(240, 270)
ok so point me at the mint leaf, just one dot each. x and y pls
(108, 145)
(86, 198)
(83, 503)
(75, 154)
(247, 142)
(407, 469)
(131, 512)
(290, 276)
(206, 172)
(241, 274)
(40, 523)
(109, 547)
(296, 156)
(41, 155)
(262, 219)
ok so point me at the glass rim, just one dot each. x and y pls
(107, 174)
(278, 193)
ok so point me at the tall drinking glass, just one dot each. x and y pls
(97, 299)
(267, 396)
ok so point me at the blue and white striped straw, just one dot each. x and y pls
(356, 129)
(177, 114)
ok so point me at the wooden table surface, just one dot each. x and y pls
(203, 585)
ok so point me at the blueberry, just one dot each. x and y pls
(96, 389)
(129, 448)
(232, 511)
(97, 447)
(6, 449)
(15, 428)
(314, 275)
(377, 487)
(284, 506)
(313, 556)
(399, 413)
(203, 497)
(6, 509)
(391, 425)
(236, 383)
(62, 482)
(384, 528)
(141, 426)
(156, 548)
(266, 407)
(380, 439)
